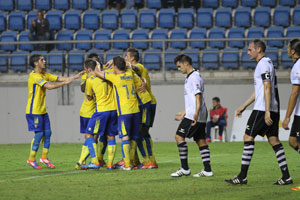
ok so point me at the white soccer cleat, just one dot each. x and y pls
(181, 172)
(203, 174)
(125, 168)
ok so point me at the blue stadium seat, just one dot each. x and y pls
(242, 17)
(110, 54)
(246, 62)
(170, 54)
(110, 19)
(204, 17)
(121, 35)
(268, 3)
(55, 19)
(281, 16)
(262, 16)
(31, 16)
(75, 59)
(98, 4)
(64, 35)
(42, 53)
(194, 54)
(7, 5)
(272, 55)
(285, 61)
(23, 37)
(296, 15)
(129, 19)
(3, 62)
(8, 36)
(198, 33)
(141, 34)
(2, 21)
(91, 19)
(256, 32)
(152, 59)
(43, 4)
(102, 35)
(236, 33)
(210, 3)
(166, 18)
(293, 31)
(84, 35)
(230, 58)
(249, 3)
(16, 21)
(24, 5)
(287, 2)
(56, 60)
(216, 33)
(99, 52)
(223, 17)
(147, 18)
(72, 19)
(275, 32)
(61, 4)
(159, 34)
(153, 4)
(185, 18)
(210, 58)
(80, 4)
(230, 3)
(178, 34)
(18, 61)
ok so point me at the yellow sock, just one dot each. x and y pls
(126, 154)
(146, 159)
(84, 153)
(45, 153)
(95, 159)
(133, 148)
(32, 154)
(152, 158)
(111, 149)
(99, 150)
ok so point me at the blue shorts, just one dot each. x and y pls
(103, 123)
(145, 114)
(129, 125)
(84, 121)
(38, 122)
(152, 114)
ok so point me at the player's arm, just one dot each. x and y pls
(136, 69)
(267, 97)
(71, 78)
(137, 80)
(99, 73)
(83, 87)
(243, 107)
(198, 107)
(51, 86)
(179, 116)
(88, 90)
(292, 102)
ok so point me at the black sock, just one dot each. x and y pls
(205, 155)
(183, 154)
(246, 158)
(281, 159)
(297, 149)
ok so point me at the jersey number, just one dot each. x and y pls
(127, 90)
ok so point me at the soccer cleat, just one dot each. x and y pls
(208, 140)
(236, 181)
(77, 167)
(296, 188)
(283, 181)
(34, 164)
(203, 174)
(102, 163)
(154, 166)
(125, 168)
(220, 138)
(111, 167)
(89, 166)
(181, 172)
(143, 166)
(47, 162)
(120, 164)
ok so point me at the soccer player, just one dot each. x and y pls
(264, 118)
(193, 119)
(36, 113)
(294, 102)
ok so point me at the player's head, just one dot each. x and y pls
(94, 56)
(119, 63)
(183, 62)
(132, 55)
(215, 101)
(292, 47)
(90, 64)
(256, 48)
(37, 61)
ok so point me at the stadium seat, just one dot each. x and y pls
(80, 4)
(185, 18)
(198, 33)
(166, 18)
(170, 54)
(275, 32)
(178, 34)
(24, 5)
(43, 4)
(99, 52)
(152, 59)
(141, 34)
(262, 16)
(293, 31)
(194, 54)
(56, 60)
(31, 16)
(242, 17)
(153, 4)
(249, 3)
(296, 15)
(42, 53)
(98, 4)
(121, 35)
(268, 3)
(64, 35)
(236, 33)
(159, 34)
(8, 36)
(16, 21)
(72, 19)
(230, 58)
(216, 33)
(256, 32)
(3, 62)
(281, 16)
(75, 59)
(285, 61)
(129, 19)
(210, 3)
(84, 35)
(287, 2)
(204, 17)
(2, 21)
(7, 5)
(230, 3)
(102, 35)
(110, 54)
(18, 61)
(91, 19)
(110, 19)
(61, 4)
(210, 58)
(223, 17)
(272, 53)
(246, 62)
(147, 18)
(55, 19)
(23, 37)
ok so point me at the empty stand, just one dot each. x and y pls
(110, 54)
(129, 19)
(18, 61)
(169, 58)
(2, 21)
(210, 3)
(178, 34)
(61, 4)
(262, 16)
(16, 21)
(223, 17)
(84, 35)
(121, 35)
(282, 16)
(185, 18)
(152, 59)
(272, 53)
(7, 5)
(204, 17)
(102, 35)
(110, 19)
(256, 32)
(56, 60)
(72, 19)
(216, 33)
(91, 19)
(242, 17)
(269, 3)
(287, 2)
(236, 33)
(230, 3)
(23, 37)
(249, 3)
(55, 19)
(98, 4)
(141, 34)
(147, 18)
(159, 34)
(198, 33)
(24, 5)
(275, 32)
(8, 36)
(43, 4)
(296, 15)
(75, 59)
(153, 4)
(166, 18)
(194, 54)
(245, 60)
(80, 4)
(230, 58)
(64, 35)
(210, 58)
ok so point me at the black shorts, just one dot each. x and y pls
(185, 129)
(256, 124)
(295, 131)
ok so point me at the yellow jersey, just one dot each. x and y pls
(88, 107)
(36, 103)
(143, 97)
(124, 92)
(102, 92)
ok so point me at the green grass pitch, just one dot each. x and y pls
(19, 181)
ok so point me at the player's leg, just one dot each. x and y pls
(112, 131)
(124, 127)
(134, 158)
(294, 139)
(209, 125)
(221, 125)
(84, 150)
(294, 143)
(101, 148)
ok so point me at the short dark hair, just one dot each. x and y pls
(293, 42)
(258, 43)
(90, 63)
(94, 55)
(120, 63)
(40, 11)
(34, 58)
(217, 99)
(134, 53)
(183, 58)
(297, 48)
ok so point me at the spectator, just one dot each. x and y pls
(118, 4)
(218, 117)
